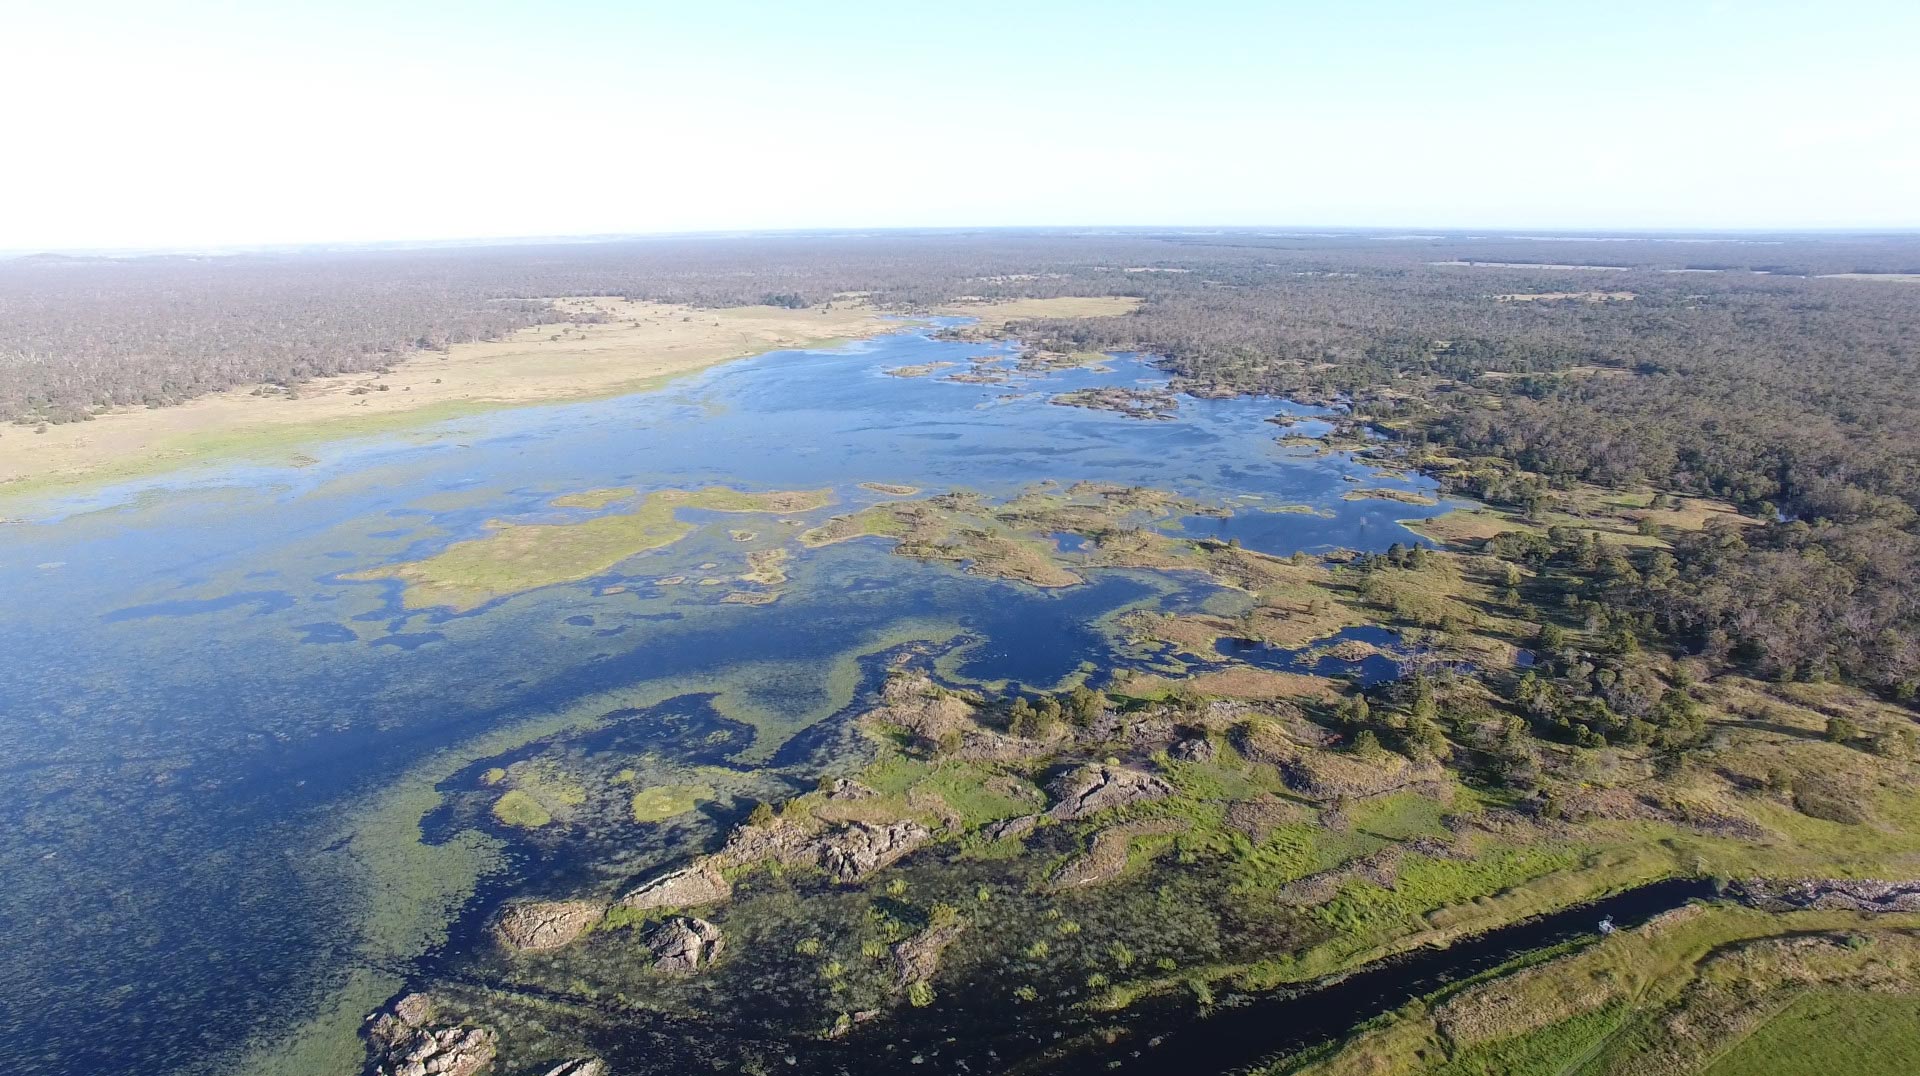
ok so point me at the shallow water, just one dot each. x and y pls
(193, 698)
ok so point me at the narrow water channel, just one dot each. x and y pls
(1176, 1042)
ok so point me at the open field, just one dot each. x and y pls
(631, 346)
(1722, 990)
(995, 315)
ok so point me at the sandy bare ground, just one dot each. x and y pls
(638, 345)
(995, 314)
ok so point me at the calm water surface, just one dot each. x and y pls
(191, 695)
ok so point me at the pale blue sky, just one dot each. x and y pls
(195, 123)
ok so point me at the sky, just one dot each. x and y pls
(199, 125)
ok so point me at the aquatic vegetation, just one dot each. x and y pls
(1387, 493)
(516, 557)
(593, 498)
(518, 808)
(668, 801)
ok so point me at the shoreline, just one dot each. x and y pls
(634, 347)
(638, 348)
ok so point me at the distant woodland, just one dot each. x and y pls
(1741, 369)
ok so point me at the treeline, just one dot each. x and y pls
(1796, 399)
(78, 335)
(1792, 395)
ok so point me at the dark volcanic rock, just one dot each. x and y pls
(545, 924)
(1092, 788)
(686, 886)
(859, 849)
(684, 944)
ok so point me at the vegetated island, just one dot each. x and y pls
(515, 557)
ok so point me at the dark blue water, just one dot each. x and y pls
(193, 695)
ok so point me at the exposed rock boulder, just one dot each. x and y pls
(1108, 856)
(846, 788)
(914, 703)
(403, 1043)
(1097, 787)
(1010, 827)
(688, 886)
(859, 849)
(916, 959)
(579, 1066)
(1829, 894)
(415, 1010)
(545, 924)
(1193, 749)
(781, 840)
(684, 944)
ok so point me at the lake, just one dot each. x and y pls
(224, 834)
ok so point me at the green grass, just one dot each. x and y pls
(1545, 1052)
(1294, 851)
(964, 789)
(1831, 1031)
(1400, 816)
(1370, 911)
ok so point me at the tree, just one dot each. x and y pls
(1842, 730)
(1084, 705)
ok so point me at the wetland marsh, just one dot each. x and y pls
(239, 713)
(804, 716)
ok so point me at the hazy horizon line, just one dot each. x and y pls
(1409, 232)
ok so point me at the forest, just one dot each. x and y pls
(1769, 371)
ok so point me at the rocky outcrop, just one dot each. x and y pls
(1381, 867)
(1010, 827)
(535, 925)
(687, 886)
(1263, 814)
(1193, 749)
(858, 849)
(1828, 894)
(846, 788)
(1108, 856)
(848, 853)
(415, 1009)
(404, 1044)
(579, 1066)
(918, 958)
(781, 840)
(1098, 787)
(684, 944)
